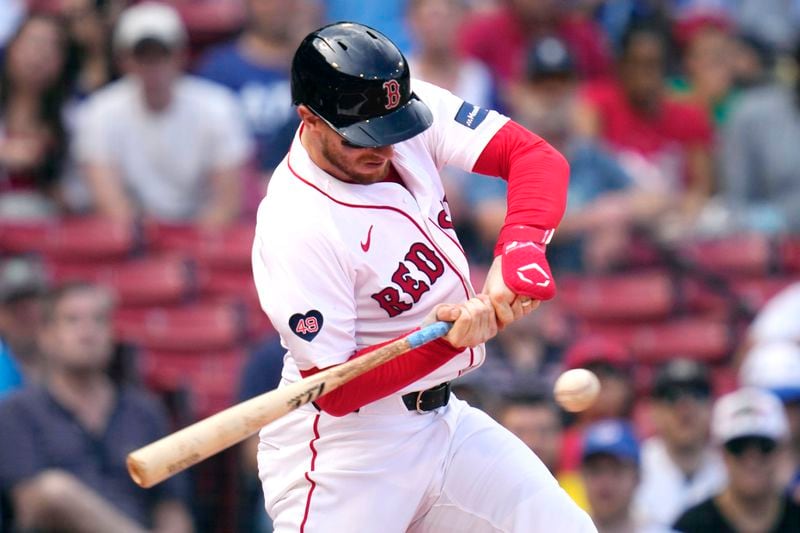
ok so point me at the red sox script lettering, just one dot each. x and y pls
(427, 262)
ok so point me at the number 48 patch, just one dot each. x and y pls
(306, 326)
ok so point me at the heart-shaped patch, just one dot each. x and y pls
(306, 326)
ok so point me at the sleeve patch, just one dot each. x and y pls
(471, 115)
(306, 326)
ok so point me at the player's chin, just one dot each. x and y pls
(370, 172)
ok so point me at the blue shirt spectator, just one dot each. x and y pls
(47, 436)
(265, 95)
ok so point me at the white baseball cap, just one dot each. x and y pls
(774, 366)
(149, 20)
(748, 412)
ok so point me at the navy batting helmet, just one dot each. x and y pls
(357, 80)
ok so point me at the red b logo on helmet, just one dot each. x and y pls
(392, 93)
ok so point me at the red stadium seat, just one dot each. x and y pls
(196, 328)
(211, 377)
(636, 296)
(744, 254)
(151, 281)
(78, 239)
(219, 281)
(224, 248)
(708, 340)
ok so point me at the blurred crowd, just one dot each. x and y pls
(681, 123)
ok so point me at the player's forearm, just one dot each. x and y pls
(537, 175)
(385, 379)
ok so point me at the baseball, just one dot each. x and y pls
(576, 390)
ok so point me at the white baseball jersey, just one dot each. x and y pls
(342, 266)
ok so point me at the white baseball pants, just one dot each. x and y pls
(387, 470)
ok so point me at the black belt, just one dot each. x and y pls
(428, 400)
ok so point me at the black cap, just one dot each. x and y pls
(681, 375)
(549, 57)
(358, 81)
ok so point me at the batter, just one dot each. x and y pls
(355, 247)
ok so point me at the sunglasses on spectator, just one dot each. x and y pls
(737, 447)
(673, 394)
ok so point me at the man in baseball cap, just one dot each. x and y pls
(775, 366)
(157, 142)
(610, 472)
(680, 467)
(750, 427)
(149, 24)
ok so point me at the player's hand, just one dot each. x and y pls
(508, 306)
(473, 321)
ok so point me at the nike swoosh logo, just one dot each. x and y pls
(365, 245)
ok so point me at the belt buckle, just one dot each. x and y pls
(417, 403)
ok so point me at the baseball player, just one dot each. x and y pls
(354, 247)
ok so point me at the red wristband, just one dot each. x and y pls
(526, 272)
(522, 233)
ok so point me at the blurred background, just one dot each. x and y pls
(136, 140)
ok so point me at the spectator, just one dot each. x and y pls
(679, 467)
(64, 468)
(500, 38)
(750, 427)
(612, 363)
(610, 473)
(536, 420)
(760, 161)
(89, 32)
(665, 145)
(256, 67)
(158, 142)
(708, 55)
(33, 89)
(603, 203)
(775, 367)
(22, 284)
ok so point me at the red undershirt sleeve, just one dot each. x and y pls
(537, 176)
(384, 379)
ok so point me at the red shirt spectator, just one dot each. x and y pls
(500, 39)
(664, 144)
(627, 128)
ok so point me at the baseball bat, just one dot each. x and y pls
(178, 451)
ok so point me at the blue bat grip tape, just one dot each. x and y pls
(429, 333)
